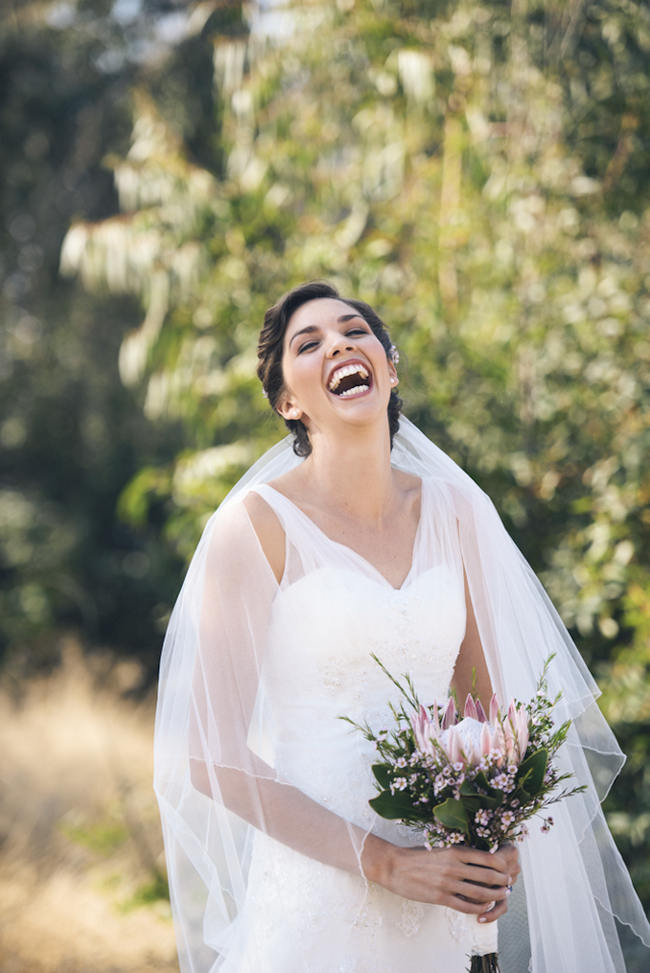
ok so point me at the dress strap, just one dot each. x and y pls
(281, 505)
(297, 525)
(303, 538)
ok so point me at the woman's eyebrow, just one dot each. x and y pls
(312, 327)
(308, 330)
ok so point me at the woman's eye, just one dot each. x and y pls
(308, 345)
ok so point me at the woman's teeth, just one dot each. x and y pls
(345, 372)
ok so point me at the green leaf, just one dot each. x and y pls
(468, 789)
(382, 775)
(452, 814)
(393, 806)
(482, 781)
(530, 775)
(471, 800)
(521, 795)
(491, 800)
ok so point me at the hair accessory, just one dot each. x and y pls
(394, 355)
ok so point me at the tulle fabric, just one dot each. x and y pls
(232, 771)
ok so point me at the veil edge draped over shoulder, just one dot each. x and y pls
(215, 773)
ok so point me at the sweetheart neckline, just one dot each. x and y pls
(416, 539)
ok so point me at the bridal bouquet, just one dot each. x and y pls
(473, 779)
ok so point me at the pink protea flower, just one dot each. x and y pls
(510, 743)
(499, 743)
(425, 729)
(450, 714)
(454, 746)
(520, 725)
(473, 737)
(465, 741)
(516, 733)
(486, 740)
(481, 717)
(470, 708)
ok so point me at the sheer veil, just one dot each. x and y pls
(219, 780)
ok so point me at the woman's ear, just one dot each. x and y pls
(287, 409)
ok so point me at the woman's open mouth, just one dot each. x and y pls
(350, 380)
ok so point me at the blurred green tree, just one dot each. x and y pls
(71, 434)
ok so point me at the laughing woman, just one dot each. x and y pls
(353, 536)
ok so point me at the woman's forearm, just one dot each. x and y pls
(284, 813)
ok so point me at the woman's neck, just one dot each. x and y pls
(352, 474)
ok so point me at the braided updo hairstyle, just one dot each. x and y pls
(271, 345)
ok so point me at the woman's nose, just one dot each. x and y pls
(338, 345)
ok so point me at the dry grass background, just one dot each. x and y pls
(81, 865)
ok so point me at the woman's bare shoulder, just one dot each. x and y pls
(269, 530)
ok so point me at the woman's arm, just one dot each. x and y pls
(471, 676)
(471, 671)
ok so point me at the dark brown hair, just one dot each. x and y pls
(271, 344)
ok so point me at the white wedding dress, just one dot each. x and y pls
(249, 748)
(331, 611)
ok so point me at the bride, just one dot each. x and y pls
(362, 538)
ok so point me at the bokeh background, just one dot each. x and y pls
(479, 171)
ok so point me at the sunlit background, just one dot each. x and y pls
(478, 171)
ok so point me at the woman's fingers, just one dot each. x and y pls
(506, 859)
(489, 912)
(492, 915)
(492, 908)
(485, 893)
(480, 894)
(462, 904)
(500, 868)
(485, 876)
(509, 856)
